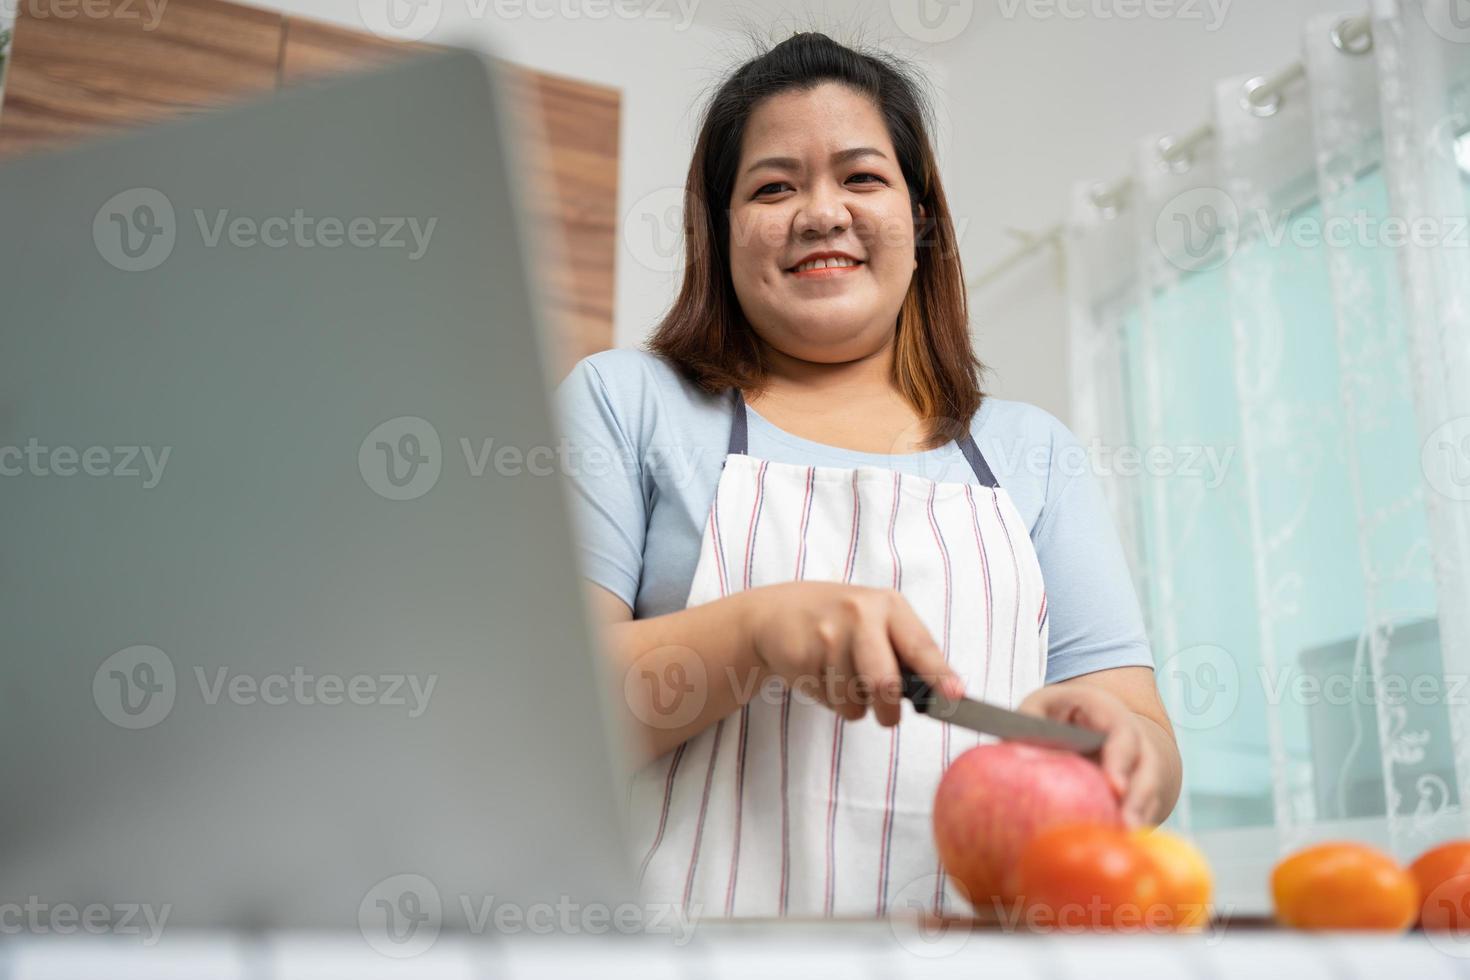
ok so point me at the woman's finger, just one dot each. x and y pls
(1120, 756)
(876, 664)
(1143, 786)
(918, 652)
(838, 686)
(1090, 710)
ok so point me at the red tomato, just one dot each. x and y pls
(1443, 875)
(1344, 885)
(1083, 876)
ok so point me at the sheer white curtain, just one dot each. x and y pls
(1270, 351)
(1425, 54)
(7, 32)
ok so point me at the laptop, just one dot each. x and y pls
(288, 641)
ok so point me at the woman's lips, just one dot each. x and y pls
(830, 272)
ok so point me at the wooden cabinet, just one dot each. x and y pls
(81, 68)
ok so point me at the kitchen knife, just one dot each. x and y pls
(992, 719)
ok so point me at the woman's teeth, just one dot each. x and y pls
(838, 263)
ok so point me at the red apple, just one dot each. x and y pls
(995, 798)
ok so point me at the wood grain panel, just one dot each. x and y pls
(310, 48)
(570, 132)
(78, 70)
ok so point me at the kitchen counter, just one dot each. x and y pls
(764, 950)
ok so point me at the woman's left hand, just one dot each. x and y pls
(1131, 760)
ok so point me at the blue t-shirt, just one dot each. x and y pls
(644, 454)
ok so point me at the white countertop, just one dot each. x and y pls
(766, 951)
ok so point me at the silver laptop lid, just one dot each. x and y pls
(285, 642)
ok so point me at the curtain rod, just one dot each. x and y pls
(1262, 96)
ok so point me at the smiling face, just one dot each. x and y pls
(821, 225)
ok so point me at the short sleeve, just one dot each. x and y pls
(1096, 623)
(604, 471)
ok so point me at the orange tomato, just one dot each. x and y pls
(1084, 876)
(1184, 877)
(1344, 885)
(1443, 876)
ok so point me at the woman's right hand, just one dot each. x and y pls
(843, 645)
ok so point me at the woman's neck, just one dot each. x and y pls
(852, 405)
(865, 377)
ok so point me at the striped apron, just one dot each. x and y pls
(784, 808)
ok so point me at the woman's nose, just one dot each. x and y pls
(822, 214)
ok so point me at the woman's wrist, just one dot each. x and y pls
(747, 611)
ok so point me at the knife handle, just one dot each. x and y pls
(917, 690)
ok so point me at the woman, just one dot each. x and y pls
(783, 502)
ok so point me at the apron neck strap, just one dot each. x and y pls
(739, 437)
(977, 461)
(740, 443)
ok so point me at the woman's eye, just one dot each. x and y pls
(777, 187)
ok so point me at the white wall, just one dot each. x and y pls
(1029, 97)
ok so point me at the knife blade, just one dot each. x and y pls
(992, 719)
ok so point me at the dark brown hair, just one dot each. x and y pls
(705, 333)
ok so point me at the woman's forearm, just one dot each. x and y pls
(684, 671)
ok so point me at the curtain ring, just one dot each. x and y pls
(1105, 202)
(1359, 42)
(1265, 109)
(1180, 164)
